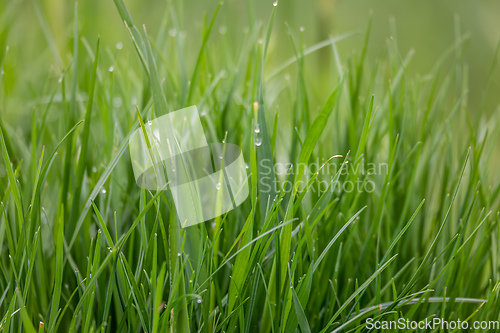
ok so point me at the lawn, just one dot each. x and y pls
(373, 187)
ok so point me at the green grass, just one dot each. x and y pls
(83, 248)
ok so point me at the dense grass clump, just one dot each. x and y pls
(371, 197)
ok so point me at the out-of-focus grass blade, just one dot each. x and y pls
(73, 109)
(82, 163)
(47, 33)
(56, 295)
(308, 51)
(134, 32)
(159, 102)
(16, 193)
(366, 127)
(314, 132)
(265, 164)
(200, 55)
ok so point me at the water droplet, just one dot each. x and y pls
(203, 113)
(59, 80)
(261, 41)
(222, 29)
(119, 46)
(150, 123)
(257, 128)
(221, 157)
(224, 141)
(117, 102)
(218, 186)
(246, 166)
(302, 29)
(172, 32)
(94, 169)
(275, 3)
(199, 300)
(103, 191)
(111, 69)
(258, 141)
(178, 254)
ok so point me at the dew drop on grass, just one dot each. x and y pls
(275, 3)
(172, 32)
(222, 29)
(221, 157)
(119, 46)
(257, 128)
(217, 186)
(258, 141)
(150, 123)
(178, 254)
(117, 102)
(111, 69)
(103, 191)
(246, 166)
(199, 300)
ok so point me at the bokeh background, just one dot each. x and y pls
(429, 27)
(39, 35)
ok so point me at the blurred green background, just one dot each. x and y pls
(428, 27)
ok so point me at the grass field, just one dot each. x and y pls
(373, 189)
